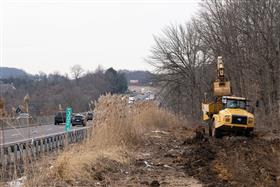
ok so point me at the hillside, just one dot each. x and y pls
(6, 72)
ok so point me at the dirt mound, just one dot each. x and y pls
(233, 161)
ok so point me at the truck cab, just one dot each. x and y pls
(233, 117)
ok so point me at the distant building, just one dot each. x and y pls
(133, 81)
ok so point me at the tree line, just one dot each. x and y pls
(246, 34)
(47, 92)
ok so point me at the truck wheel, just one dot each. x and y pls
(210, 126)
(247, 133)
(216, 133)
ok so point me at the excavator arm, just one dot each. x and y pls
(221, 86)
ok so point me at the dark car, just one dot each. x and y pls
(60, 117)
(78, 119)
(89, 116)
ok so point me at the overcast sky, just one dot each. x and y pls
(53, 35)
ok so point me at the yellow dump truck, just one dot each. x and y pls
(227, 113)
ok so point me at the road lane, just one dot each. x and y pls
(13, 135)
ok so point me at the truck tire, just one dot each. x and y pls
(210, 126)
(247, 133)
(216, 132)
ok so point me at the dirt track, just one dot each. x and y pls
(177, 157)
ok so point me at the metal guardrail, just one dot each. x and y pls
(13, 123)
(15, 156)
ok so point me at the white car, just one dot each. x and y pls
(23, 116)
(131, 100)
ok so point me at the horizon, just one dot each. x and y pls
(67, 73)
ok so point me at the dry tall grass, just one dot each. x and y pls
(118, 127)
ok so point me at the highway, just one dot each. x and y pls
(18, 134)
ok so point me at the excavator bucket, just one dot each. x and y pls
(222, 88)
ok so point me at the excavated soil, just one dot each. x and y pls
(178, 157)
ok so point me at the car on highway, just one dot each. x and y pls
(23, 116)
(60, 117)
(131, 100)
(89, 116)
(78, 119)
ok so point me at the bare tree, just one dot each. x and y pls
(179, 59)
(77, 71)
(245, 33)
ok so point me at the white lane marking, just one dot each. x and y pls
(49, 129)
(40, 137)
(15, 135)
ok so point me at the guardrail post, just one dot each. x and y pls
(58, 143)
(25, 157)
(55, 143)
(34, 149)
(75, 136)
(41, 150)
(62, 140)
(6, 162)
(47, 145)
(15, 159)
(21, 158)
(44, 145)
(37, 147)
(65, 140)
(79, 136)
(51, 143)
(2, 162)
(9, 162)
(69, 138)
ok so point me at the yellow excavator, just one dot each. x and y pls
(227, 114)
